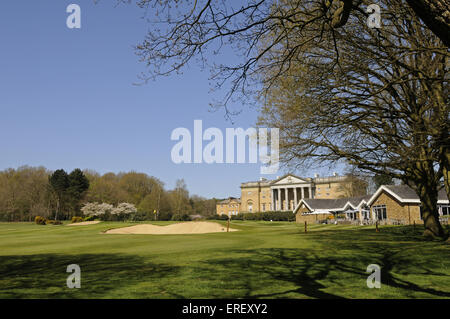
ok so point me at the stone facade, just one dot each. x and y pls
(283, 194)
(334, 187)
(302, 216)
(406, 213)
(391, 205)
(229, 207)
(255, 196)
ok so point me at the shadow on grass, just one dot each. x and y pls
(44, 275)
(265, 273)
(340, 262)
(403, 233)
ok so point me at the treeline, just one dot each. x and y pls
(27, 192)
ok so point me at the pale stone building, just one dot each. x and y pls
(230, 206)
(284, 193)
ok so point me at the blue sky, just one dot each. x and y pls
(67, 98)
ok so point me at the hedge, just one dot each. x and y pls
(266, 216)
(218, 217)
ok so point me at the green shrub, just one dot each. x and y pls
(218, 217)
(268, 216)
(88, 218)
(250, 216)
(239, 216)
(77, 219)
(164, 215)
(40, 220)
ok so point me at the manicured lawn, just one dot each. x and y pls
(262, 260)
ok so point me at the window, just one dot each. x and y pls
(380, 212)
(365, 214)
(351, 215)
(445, 210)
(250, 206)
(264, 207)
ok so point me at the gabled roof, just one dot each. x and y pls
(340, 204)
(357, 202)
(303, 179)
(405, 194)
(316, 180)
(402, 193)
(318, 204)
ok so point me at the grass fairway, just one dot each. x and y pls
(262, 260)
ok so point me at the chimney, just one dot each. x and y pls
(335, 174)
(316, 175)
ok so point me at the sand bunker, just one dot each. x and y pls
(179, 228)
(84, 223)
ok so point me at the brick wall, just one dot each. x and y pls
(310, 219)
(407, 213)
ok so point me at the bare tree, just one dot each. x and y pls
(388, 85)
(383, 105)
(186, 31)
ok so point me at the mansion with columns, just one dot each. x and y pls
(284, 193)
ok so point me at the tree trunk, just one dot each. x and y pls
(57, 209)
(426, 185)
(428, 197)
(445, 165)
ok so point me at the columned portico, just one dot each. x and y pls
(286, 192)
(286, 199)
(278, 199)
(272, 200)
(295, 198)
